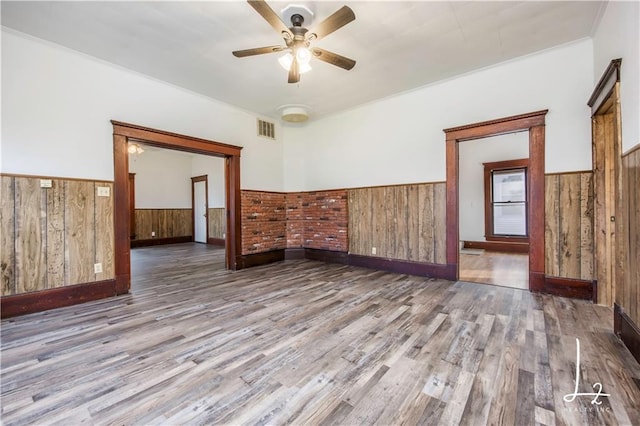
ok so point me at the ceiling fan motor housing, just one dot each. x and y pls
(301, 13)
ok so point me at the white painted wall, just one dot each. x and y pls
(471, 176)
(213, 167)
(400, 139)
(163, 179)
(618, 36)
(57, 105)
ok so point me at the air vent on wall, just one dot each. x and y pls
(266, 129)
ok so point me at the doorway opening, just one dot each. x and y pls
(123, 134)
(609, 221)
(493, 217)
(200, 208)
(534, 124)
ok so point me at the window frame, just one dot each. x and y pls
(501, 166)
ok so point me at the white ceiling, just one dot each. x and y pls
(398, 45)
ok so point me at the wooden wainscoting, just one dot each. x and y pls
(569, 225)
(627, 290)
(52, 237)
(402, 222)
(169, 225)
(217, 225)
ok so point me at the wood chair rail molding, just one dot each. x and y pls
(123, 133)
(534, 123)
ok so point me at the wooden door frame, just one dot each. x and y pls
(204, 179)
(123, 133)
(607, 174)
(132, 206)
(534, 123)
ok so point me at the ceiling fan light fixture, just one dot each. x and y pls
(303, 55)
(134, 148)
(295, 113)
(286, 60)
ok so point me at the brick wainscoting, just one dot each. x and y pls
(275, 221)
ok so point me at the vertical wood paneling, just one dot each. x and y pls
(586, 226)
(105, 248)
(601, 224)
(51, 237)
(403, 222)
(400, 222)
(182, 222)
(634, 191)
(377, 211)
(389, 249)
(79, 232)
(569, 234)
(166, 223)
(30, 223)
(628, 288)
(413, 223)
(552, 216)
(569, 215)
(440, 222)
(426, 244)
(143, 224)
(217, 222)
(7, 235)
(55, 234)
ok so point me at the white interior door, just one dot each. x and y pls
(200, 212)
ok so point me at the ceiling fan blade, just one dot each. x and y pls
(269, 15)
(334, 22)
(258, 51)
(294, 72)
(333, 58)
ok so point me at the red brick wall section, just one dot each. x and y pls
(325, 220)
(272, 220)
(263, 221)
(295, 219)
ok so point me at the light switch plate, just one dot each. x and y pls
(97, 268)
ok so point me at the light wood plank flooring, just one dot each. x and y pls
(490, 267)
(308, 343)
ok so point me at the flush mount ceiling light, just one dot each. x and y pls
(294, 113)
(134, 148)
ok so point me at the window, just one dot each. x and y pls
(506, 201)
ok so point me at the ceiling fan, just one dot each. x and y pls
(298, 39)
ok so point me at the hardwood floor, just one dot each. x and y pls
(306, 343)
(490, 267)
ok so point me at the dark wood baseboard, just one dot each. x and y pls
(294, 253)
(568, 287)
(432, 270)
(447, 272)
(258, 259)
(37, 301)
(161, 241)
(506, 247)
(626, 330)
(216, 241)
(328, 256)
